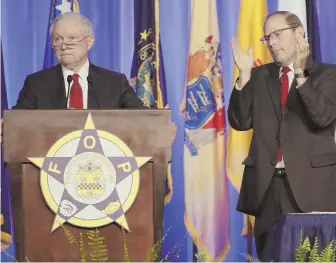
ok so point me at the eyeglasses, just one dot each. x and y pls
(70, 42)
(275, 34)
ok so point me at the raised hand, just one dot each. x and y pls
(302, 53)
(244, 62)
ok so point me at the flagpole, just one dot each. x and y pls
(157, 55)
(75, 6)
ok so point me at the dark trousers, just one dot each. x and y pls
(278, 200)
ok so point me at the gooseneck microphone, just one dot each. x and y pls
(69, 79)
(90, 90)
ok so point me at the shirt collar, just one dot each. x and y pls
(83, 72)
(291, 66)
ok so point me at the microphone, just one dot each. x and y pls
(69, 79)
(90, 90)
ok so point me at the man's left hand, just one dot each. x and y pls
(302, 53)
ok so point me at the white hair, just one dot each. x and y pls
(85, 21)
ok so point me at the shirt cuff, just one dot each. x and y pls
(236, 86)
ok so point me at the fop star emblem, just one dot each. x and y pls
(89, 178)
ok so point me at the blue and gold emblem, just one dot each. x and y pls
(89, 178)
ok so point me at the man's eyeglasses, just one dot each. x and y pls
(275, 34)
(70, 42)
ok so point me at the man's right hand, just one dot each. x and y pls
(244, 62)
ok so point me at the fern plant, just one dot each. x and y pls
(314, 256)
(82, 248)
(252, 259)
(174, 253)
(249, 258)
(328, 253)
(305, 253)
(97, 249)
(70, 236)
(302, 250)
(155, 253)
(97, 245)
(126, 254)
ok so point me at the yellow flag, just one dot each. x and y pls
(250, 30)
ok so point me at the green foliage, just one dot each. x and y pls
(155, 253)
(126, 254)
(328, 253)
(314, 256)
(305, 252)
(174, 253)
(252, 259)
(82, 248)
(302, 250)
(70, 236)
(97, 245)
(98, 249)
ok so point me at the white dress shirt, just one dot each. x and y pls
(83, 73)
(290, 75)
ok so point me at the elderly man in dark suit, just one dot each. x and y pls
(75, 82)
(291, 106)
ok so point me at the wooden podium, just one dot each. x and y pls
(30, 133)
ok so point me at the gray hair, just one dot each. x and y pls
(290, 18)
(85, 21)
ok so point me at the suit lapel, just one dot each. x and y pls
(58, 88)
(94, 98)
(98, 97)
(273, 85)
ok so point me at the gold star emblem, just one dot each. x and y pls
(144, 35)
(79, 182)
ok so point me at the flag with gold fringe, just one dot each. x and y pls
(147, 73)
(205, 181)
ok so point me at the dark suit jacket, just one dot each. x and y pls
(108, 90)
(305, 131)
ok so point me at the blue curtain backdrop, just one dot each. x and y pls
(24, 26)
